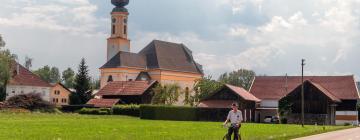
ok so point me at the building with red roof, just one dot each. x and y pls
(23, 81)
(229, 94)
(328, 99)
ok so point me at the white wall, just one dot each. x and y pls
(12, 90)
(269, 103)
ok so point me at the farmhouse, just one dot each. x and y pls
(328, 99)
(164, 62)
(59, 94)
(23, 81)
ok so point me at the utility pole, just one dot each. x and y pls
(302, 92)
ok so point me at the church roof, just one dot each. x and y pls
(126, 59)
(158, 55)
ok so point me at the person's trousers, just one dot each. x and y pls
(234, 130)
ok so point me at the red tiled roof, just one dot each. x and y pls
(325, 91)
(276, 87)
(243, 93)
(24, 77)
(216, 103)
(103, 102)
(126, 88)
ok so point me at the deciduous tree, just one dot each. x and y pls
(242, 78)
(68, 77)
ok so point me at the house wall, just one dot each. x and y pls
(13, 90)
(118, 74)
(267, 103)
(350, 117)
(59, 95)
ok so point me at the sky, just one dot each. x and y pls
(268, 36)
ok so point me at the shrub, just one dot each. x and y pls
(73, 108)
(95, 111)
(168, 113)
(30, 102)
(130, 110)
(181, 113)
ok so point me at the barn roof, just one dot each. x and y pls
(276, 87)
(128, 88)
(242, 93)
(24, 77)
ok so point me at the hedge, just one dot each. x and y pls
(95, 111)
(130, 110)
(181, 113)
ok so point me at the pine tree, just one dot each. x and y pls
(82, 85)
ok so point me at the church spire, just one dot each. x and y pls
(118, 40)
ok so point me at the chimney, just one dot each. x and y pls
(17, 68)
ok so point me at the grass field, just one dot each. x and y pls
(78, 127)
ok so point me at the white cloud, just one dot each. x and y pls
(71, 16)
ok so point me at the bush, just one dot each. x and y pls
(130, 110)
(168, 113)
(73, 108)
(95, 111)
(181, 113)
(32, 102)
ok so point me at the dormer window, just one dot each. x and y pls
(110, 79)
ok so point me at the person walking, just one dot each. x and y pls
(235, 118)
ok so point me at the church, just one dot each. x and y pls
(126, 74)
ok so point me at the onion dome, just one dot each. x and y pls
(120, 5)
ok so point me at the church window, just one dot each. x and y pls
(110, 78)
(114, 20)
(125, 20)
(125, 29)
(113, 29)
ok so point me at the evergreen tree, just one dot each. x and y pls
(82, 85)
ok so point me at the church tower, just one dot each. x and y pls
(118, 41)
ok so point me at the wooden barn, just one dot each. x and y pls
(229, 94)
(128, 92)
(328, 99)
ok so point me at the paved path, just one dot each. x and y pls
(347, 134)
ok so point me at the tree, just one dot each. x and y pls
(49, 74)
(6, 60)
(68, 77)
(28, 62)
(82, 85)
(167, 94)
(55, 75)
(242, 78)
(44, 73)
(95, 83)
(204, 87)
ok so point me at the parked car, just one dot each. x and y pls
(271, 119)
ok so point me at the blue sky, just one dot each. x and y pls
(268, 36)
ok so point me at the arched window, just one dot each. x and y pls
(110, 78)
(125, 29)
(113, 29)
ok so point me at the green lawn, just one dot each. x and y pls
(72, 126)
